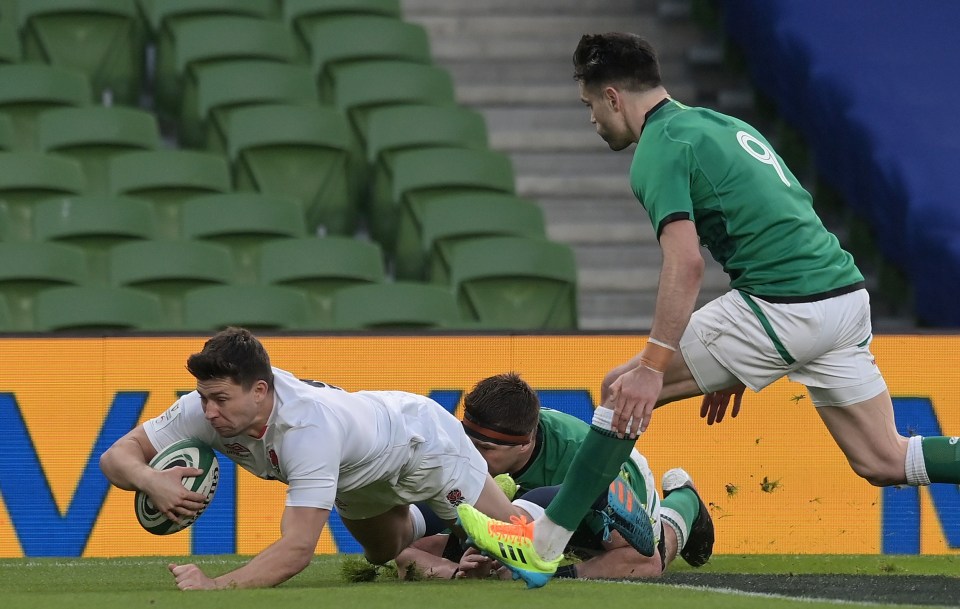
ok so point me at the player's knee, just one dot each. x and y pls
(381, 555)
(377, 558)
(880, 472)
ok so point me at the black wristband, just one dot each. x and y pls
(567, 571)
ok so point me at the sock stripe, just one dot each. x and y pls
(676, 522)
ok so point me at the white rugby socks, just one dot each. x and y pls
(916, 468)
(418, 522)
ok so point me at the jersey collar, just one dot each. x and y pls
(646, 117)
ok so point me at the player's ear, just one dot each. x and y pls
(612, 97)
(260, 388)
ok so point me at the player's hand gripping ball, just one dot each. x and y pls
(185, 453)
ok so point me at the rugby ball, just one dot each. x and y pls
(185, 453)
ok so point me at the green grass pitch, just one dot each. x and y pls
(130, 583)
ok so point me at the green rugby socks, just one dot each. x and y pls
(679, 511)
(941, 457)
(596, 464)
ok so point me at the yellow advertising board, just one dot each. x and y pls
(773, 477)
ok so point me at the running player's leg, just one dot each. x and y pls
(599, 458)
(867, 434)
(597, 463)
(858, 410)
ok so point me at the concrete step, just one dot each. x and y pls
(639, 263)
(562, 93)
(618, 310)
(674, 10)
(414, 8)
(577, 186)
(589, 162)
(474, 70)
(615, 310)
(562, 117)
(578, 221)
(568, 140)
(512, 37)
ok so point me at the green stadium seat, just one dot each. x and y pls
(26, 268)
(26, 90)
(512, 283)
(10, 51)
(8, 9)
(5, 324)
(7, 134)
(446, 220)
(104, 39)
(342, 41)
(243, 222)
(159, 13)
(320, 267)
(94, 224)
(305, 152)
(257, 308)
(422, 174)
(27, 178)
(100, 309)
(167, 178)
(211, 92)
(395, 128)
(395, 306)
(302, 15)
(94, 134)
(362, 87)
(212, 40)
(169, 269)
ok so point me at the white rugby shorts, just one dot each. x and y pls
(824, 345)
(444, 470)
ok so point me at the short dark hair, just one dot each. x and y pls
(504, 403)
(625, 60)
(235, 354)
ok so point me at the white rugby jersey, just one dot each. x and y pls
(319, 439)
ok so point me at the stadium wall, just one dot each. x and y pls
(774, 479)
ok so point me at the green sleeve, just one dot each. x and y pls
(660, 176)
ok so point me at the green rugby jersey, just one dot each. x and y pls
(559, 435)
(750, 211)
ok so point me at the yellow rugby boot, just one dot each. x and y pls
(511, 543)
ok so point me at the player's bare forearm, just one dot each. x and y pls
(429, 565)
(620, 563)
(425, 555)
(274, 565)
(125, 463)
(680, 276)
(285, 557)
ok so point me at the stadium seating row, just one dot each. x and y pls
(306, 152)
(867, 88)
(300, 283)
(107, 39)
(329, 106)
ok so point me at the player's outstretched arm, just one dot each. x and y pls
(636, 392)
(126, 466)
(281, 560)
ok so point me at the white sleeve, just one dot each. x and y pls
(181, 421)
(311, 460)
